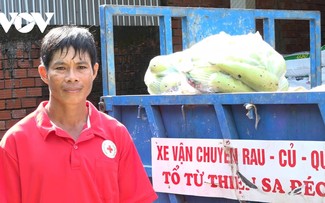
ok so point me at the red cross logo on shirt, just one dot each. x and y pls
(109, 148)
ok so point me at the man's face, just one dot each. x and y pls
(70, 76)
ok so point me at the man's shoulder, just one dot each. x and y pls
(103, 123)
(25, 124)
(107, 120)
(20, 130)
(101, 118)
(30, 123)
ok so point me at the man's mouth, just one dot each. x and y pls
(72, 90)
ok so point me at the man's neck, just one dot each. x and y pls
(70, 118)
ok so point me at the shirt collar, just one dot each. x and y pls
(46, 127)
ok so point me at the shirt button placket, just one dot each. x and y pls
(75, 157)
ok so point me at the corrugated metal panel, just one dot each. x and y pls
(77, 12)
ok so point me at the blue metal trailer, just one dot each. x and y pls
(284, 115)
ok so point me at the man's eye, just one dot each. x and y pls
(60, 68)
(82, 67)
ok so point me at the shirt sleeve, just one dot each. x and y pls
(135, 185)
(9, 176)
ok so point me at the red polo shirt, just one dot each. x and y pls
(40, 162)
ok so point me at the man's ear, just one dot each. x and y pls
(43, 73)
(95, 70)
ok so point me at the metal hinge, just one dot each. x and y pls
(101, 106)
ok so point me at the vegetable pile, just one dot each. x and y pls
(219, 63)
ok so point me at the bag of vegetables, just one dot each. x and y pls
(219, 63)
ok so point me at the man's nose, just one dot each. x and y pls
(72, 75)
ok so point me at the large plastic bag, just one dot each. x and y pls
(219, 63)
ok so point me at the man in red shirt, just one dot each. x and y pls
(66, 150)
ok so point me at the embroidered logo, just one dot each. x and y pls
(109, 148)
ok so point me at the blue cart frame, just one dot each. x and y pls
(284, 115)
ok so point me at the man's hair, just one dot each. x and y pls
(79, 38)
